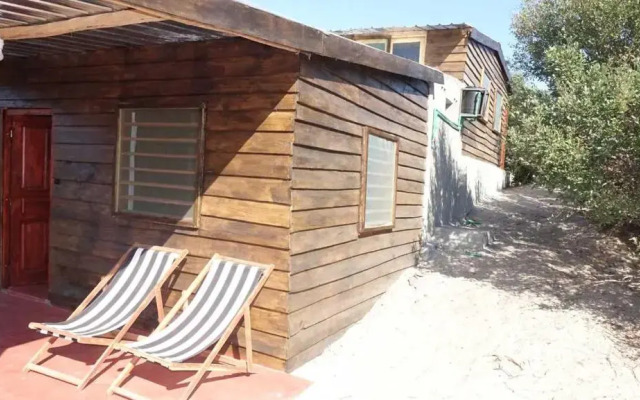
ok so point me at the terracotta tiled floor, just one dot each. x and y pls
(34, 291)
(18, 344)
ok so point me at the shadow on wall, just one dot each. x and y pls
(247, 90)
(450, 195)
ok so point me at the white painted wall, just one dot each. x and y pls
(454, 182)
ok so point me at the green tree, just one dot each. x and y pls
(603, 30)
(582, 134)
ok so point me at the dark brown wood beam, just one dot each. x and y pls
(239, 19)
(77, 24)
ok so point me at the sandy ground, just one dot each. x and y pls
(550, 311)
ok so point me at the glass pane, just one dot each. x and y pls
(158, 160)
(166, 115)
(378, 45)
(139, 161)
(139, 146)
(159, 132)
(157, 209)
(497, 118)
(381, 164)
(486, 81)
(156, 191)
(409, 50)
(169, 178)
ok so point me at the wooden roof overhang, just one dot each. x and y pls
(41, 27)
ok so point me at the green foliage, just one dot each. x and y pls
(581, 134)
(604, 31)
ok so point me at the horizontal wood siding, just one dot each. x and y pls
(447, 50)
(336, 275)
(250, 93)
(478, 138)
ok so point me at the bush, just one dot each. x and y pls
(583, 137)
(579, 131)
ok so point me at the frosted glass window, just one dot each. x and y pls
(485, 83)
(158, 163)
(497, 116)
(381, 166)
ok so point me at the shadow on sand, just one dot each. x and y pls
(546, 248)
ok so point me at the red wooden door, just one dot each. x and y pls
(27, 185)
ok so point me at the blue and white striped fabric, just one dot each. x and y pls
(116, 305)
(220, 298)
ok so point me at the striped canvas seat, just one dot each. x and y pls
(222, 294)
(122, 297)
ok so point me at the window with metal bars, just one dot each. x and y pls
(159, 163)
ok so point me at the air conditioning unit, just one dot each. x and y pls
(473, 102)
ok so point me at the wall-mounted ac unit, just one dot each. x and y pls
(473, 102)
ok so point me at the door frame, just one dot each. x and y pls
(6, 167)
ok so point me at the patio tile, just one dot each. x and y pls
(18, 344)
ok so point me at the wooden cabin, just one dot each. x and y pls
(467, 54)
(218, 129)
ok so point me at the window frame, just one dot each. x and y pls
(363, 182)
(199, 172)
(376, 40)
(410, 39)
(485, 108)
(498, 115)
(462, 97)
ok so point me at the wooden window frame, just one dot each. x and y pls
(363, 182)
(485, 109)
(410, 39)
(376, 40)
(199, 172)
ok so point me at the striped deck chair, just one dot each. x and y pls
(114, 304)
(227, 289)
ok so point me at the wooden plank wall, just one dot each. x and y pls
(250, 96)
(336, 276)
(478, 138)
(447, 51)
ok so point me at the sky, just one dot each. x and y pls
(491, 17)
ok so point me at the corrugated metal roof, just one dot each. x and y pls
(381, 30)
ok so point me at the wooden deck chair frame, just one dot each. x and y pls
(227, 364)
(110, 341)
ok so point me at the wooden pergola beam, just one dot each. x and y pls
(238, 19)
(77, 24)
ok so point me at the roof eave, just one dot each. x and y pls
(232, 17)
(493, 45)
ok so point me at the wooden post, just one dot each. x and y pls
(123, 375)
(248, 343)
(159, 304)
(36, 357)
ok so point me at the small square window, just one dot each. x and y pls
(380, 44)
(379, 176)
(409, 50)
(158, 167)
